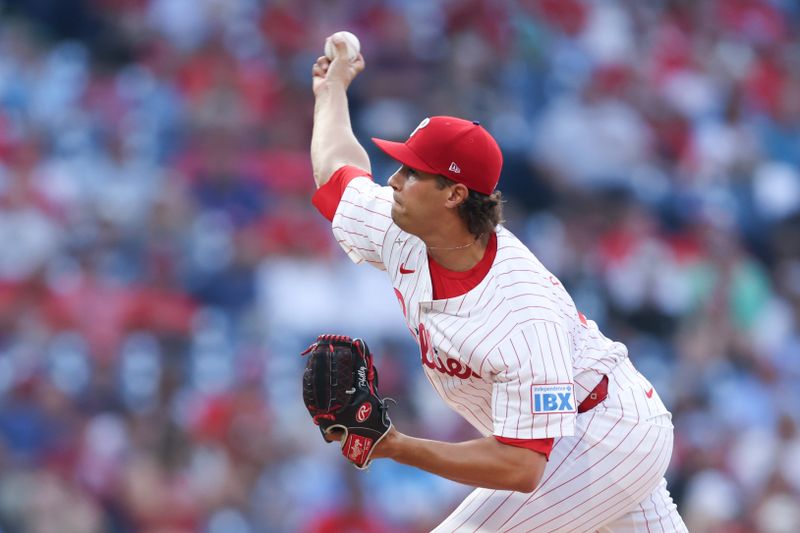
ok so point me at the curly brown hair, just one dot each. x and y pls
(481, 212)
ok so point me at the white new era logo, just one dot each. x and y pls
(454, 168)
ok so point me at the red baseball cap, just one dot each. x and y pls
(458, 149)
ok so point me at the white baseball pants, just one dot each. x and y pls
(609, 477)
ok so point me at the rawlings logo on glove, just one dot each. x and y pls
(340, 390)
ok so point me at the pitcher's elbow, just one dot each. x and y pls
(527, 482)
(527, 486)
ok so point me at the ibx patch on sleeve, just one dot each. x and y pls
(553, 398)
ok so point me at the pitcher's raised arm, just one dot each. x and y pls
(333, 143)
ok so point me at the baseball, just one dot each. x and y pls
(353, 45)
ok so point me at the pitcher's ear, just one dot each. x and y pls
(458, 194)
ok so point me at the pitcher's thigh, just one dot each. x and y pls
(586, 485)
(657, 513)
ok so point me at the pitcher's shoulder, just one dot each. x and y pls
(514, 256)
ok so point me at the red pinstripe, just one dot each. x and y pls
(528, 282)
(557, 332)
(365, 236)
(381, 231)
(675, 526)
(513, 328)
(620, 492)
(519, 390)
(411, 296)
(483, 399)
(541, 483)
(581, 386)
(514, 258)
(533, 378)
(439, 385)
(559, 302)
(454, 400)
(658, 514)
(644, 515)
(376, 198)
(494, 369)
(355, 247)
(584, 487)
(660, 465)
(474, 497)
(503, 359)
(566, 373)
(390, 264)
(499, 323)
(578, 439)
(546, 379)
(555, 312)
(362, 208)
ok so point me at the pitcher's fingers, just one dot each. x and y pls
(359, 63)
(323, 61)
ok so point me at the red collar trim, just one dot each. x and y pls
(451, 283)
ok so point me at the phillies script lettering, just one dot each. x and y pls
(451, 367)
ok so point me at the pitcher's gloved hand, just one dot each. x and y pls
(340, 390)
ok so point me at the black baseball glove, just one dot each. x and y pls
(340, 390)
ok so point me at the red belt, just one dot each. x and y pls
(598, 394)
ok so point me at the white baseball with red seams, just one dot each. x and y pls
(515, 358)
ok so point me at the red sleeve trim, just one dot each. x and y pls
(543, 446)
(327, 197)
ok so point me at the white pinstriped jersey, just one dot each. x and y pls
(491, 352)
(514, 357)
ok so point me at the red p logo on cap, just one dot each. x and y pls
(458, 149)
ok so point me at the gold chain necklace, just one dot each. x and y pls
(456, 247)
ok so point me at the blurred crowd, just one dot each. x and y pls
(162, 265)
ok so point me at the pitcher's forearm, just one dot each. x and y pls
(479, 463)
(333, 143)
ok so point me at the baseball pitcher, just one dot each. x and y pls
(574, 438)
